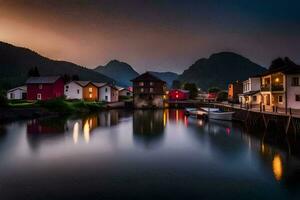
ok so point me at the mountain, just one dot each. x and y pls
(169, 77)
(15, 63)
(119, 71)
(219, 70)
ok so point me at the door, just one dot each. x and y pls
(268, 99)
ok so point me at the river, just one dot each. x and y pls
(143, 154)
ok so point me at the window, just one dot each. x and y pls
(127, 93)
(297, 97)
(151, 83)
(40, 86)
(90, 89)
(254, 98)
(106, 89)
(106, 98)
(141, 83)
(67, 87)
(142, 89)
(78, 91)
(151, 89)
(280, 99)
(12, 95)
(39, 96)
(295, 81)
(90, 95)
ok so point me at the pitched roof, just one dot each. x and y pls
(286, 69)
(23, 87)
(147, 77)
(42, 79)
(82, 83)
(99, 84)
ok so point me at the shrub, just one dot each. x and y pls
(58, 105)
(3, 99)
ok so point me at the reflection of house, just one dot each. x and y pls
(148, 126)
(44, 87)
(148, 91)
(50, 126)
(178, 94)
(251, 92)
(17, 93)
(234, 89)
(280, 87)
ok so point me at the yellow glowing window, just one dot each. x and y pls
(91, 95)
(90, 89)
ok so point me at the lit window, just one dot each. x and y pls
(39, 96)
(151, 83)
(142, 89)
(90, 89)
(151, 89)
(141, 83)
(91, 95)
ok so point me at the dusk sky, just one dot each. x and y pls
(152, 35)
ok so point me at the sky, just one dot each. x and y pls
(160, 35)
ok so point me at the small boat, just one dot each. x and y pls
(215, 113)
(195, 113)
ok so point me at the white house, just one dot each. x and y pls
(280, 88)
(17, 93)
(107, 92)
(125, 92)
(251, 91)
(74, 89)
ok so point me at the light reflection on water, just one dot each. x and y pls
(142, 154)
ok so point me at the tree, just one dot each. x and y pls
(3, 99)
(176, 84)
(277, 63)
(214, 90)
(75, 77)
(33, 72)
(222, 96)
(192, 88)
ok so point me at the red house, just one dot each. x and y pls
(44, 87)
(178, 95)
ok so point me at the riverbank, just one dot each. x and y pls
(16, 110)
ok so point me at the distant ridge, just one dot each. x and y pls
(15, 63)
(220, 69)
(119, 71)
(169, 77)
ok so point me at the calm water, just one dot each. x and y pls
(141, 155)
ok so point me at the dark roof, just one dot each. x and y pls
(147, 77)
(81, 83)
(180, 90)
(250, 93)
(42, 79)
(286, 69)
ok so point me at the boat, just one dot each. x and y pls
(195, 113)
(215, 113)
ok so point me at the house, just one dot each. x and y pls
(178, 95)
(17, 93)
(123, 92)
(90, 91)
(44, 87)
(107, 92)
(251, 92)
(74, 89)
(148, 91)
(234, 89)
(280, 88)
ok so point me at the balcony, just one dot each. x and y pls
(265, 87)
(277, 87)
(273, 87)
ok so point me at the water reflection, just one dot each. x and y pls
(148, 126)
(159, 147)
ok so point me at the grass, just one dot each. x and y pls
(59, 105)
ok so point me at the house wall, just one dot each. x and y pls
(146, 101)
(105, 93)
(114, 95)
(48, 91)
(292, 91)
(90, 95)
(73, 91)
(15, 94)
(177, 95)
